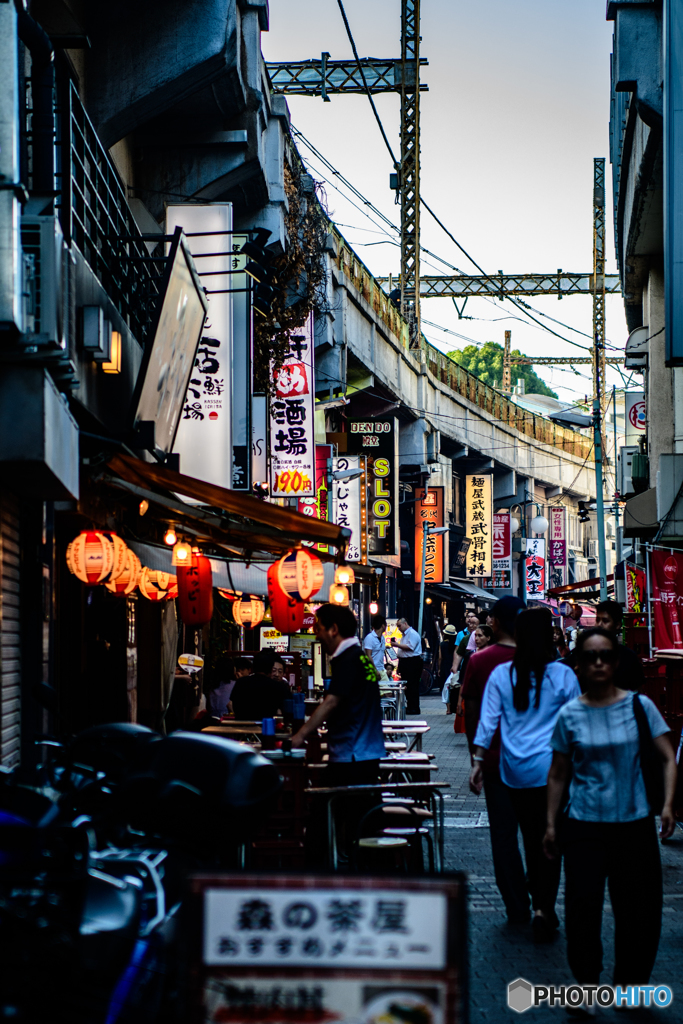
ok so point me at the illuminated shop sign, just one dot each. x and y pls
(377, 440)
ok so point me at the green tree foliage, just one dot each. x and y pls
(486, 363)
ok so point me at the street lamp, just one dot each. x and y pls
(427, 531)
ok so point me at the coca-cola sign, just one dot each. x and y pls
(667, 580)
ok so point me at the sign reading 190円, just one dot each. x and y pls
(376, 439)
(310, 948)
(479, 529)
(292, 431)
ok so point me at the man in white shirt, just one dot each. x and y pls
(374, 644)
(409, 652)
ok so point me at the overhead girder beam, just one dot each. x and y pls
(498, 286)
(564, 361)
(327, 77)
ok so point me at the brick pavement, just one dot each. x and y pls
(497, 953)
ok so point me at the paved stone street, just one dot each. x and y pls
(498, 954)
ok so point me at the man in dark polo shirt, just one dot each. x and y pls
(259, 696)
(507, 860)
(351, 707)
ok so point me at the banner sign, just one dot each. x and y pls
(479, 525)
(315, 948)
(292, 430)
(259, 439)
(204, 438)
(534, 569)
(242, 363)
(636, 588)
(634, 410)
(347, 505)
(667, 592)
(317, 506)
(376, 439)
(558, 572)
(274, 639)
(501, 550)
(429, 508)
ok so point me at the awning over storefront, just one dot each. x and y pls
(460, 588)
(236, 522)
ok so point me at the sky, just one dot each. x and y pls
(517, 108)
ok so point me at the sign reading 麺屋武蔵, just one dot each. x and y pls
(501, 553)
(347, 505)
(317, 507)
(535, 569)
(479, 525)
(376, 439)
(429, 508)
(558, 574)
(292, 431)
(204, 438)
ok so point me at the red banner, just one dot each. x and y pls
(667, 591)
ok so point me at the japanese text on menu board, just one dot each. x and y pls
(347, 499)
(326, 928)
(292, 432)
(557, 547)
(478, 518)
(429, 509)
(535, 568)
(501, 573)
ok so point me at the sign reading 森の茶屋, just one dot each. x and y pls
(292, 430)
(478, 525)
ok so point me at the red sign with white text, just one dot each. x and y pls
(501, 553)
(667, 591)
(429, 509)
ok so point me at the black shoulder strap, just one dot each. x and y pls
(644, 731)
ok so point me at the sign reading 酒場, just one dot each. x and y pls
(478, 525)
(292, 432)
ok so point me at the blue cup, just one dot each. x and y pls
(268, 726)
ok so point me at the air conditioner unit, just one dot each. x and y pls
(592, 549)
(624, 475)
(43, 246)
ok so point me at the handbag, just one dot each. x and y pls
(651, 763)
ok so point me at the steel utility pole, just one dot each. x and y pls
(599, 356)
(507, 375)
(409, 178)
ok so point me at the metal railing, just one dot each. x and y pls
(96, 217)
(450, 373)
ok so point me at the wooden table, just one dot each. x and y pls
(398, 730)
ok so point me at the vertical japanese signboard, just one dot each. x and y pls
(429, 508)
(344, 949)
(242, 362)
(667, 593)
(317, 506)
(348, 501)
(479, 525)
(634, 411)
(259, 439)
(534, 568)
(501, 553)
(636, 589)
(204, 438)
(292, 431)
(558, 573)
(376, 439)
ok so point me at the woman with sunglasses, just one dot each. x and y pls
(524, 698)
(608, 831)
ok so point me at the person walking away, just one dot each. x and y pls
(446, 652)
(375, 646)
(258, 695)
(608, 832)
(352, 711)
(507, 860)
(464, 641)
(629, 674)
(409, 652)
(483, 637)
(525, 698)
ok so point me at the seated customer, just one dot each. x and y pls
(226, 673)
(258, 696)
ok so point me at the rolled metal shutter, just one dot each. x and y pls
(10, 658)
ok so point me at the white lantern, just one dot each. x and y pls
(128, 580)
(158, 586)
(248, 613)
(90, 557)
(300, 574)
(339, 595)
(120, 555)
(514, 524)
(344, 575)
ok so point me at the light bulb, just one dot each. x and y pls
(182, 554)
(373, 607)
(344, 575)
(170, 537)
(428, 600)
(143, 506)
(514, 524)
(539, 524)
(339, 595)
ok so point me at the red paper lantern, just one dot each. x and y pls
(300, 574)
(130, 577)
(195, 592)
(90, 557)
(287, 612)
(157, 586)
